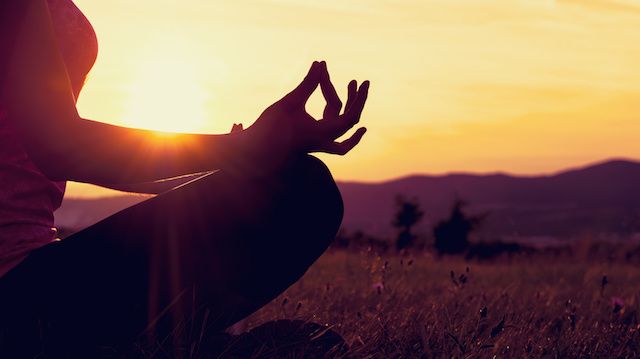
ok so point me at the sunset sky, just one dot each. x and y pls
(524, 87)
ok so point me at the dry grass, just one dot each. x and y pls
(407, 307)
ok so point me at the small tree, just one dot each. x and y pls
(408, 214)
(452, 235)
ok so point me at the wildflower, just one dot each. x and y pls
(617, 304)
(497, 329)
(378, 286)
(463, 278)
(572, 320)
(483, 312)
(452, 275)
(603, 283)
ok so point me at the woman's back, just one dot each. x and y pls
(27, 197)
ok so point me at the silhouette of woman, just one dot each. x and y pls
(196, 258)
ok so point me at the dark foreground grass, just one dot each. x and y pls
(419, 306)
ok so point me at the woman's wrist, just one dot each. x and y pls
(258, 154)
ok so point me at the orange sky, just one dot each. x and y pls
(519, 86)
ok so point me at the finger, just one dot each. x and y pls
(301, 94)
(351, 94)
(336, 129)
(342, 148)
(334, 105)
(355, 111)
(237, 127)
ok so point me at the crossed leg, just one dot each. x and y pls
(197, 258)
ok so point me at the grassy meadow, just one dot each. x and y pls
(417, 305)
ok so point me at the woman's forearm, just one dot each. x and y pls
(106, 154)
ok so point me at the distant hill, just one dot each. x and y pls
(597, 200)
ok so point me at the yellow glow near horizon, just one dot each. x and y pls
(522, 86)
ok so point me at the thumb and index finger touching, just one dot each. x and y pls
(318, 75)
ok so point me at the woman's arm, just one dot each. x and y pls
(163, 185)
(37, 93)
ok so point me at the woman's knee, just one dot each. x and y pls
(315, 195)
(272, 248)
(303, 221)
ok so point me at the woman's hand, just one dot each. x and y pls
(286, 128)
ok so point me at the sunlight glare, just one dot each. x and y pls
(167, 93)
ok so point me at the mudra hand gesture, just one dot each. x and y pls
(286, 128)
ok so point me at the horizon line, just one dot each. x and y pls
(497, 172)
(398, 178)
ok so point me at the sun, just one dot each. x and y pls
(167, 92)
